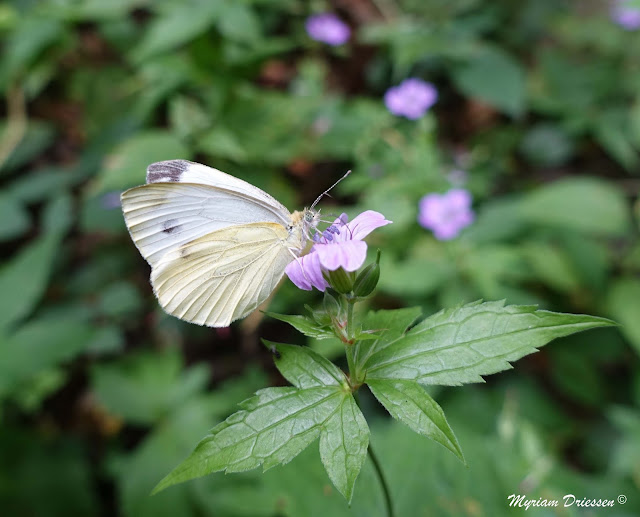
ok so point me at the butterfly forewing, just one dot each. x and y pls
(217, 245)
(183, 171)
(224, 275)
(163, 216)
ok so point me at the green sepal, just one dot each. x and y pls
(367, 280)
(340, 280)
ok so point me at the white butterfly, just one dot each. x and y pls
(217, 245)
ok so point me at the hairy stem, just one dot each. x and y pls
(349, 329)
(350, 347)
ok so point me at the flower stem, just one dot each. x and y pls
(383, 481)
(349, 349)
(350, 304)
(378, 468)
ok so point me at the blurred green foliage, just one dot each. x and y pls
(101, 394)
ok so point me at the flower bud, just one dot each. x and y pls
(340, 280)
(367, 279)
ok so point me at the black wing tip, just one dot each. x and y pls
(167, 171)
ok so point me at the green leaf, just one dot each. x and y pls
(457, 346)
(146, 387)
(343, 446)
(42, 184)
(38, 346)
(547, 145)
(273, 428)
(305, 368)
(390, 325)
(552, 265)
(32, 36)
(304, 325)
(408, 402)
(25, 277)
(177, 26)
(614, 134)
(494, 77)
(165, 445)
(622, 303)
(222, 143)
(38, 136)
(586, 205)
(278, 423)
(15, 219)
(238, 22)
(119, 299)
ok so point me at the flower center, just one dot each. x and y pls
(328, 234)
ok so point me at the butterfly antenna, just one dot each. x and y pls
(326, 192)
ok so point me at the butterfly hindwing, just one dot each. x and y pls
(223, 275)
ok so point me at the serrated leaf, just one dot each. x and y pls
(343, 446)
(305, 368)
(389, 326)
(408, 402)
(304, 325)
(459, 345)
(272, 428)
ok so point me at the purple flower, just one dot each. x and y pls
(328, 28)
(339, 246)
(625, 15)
(411, 98)
(446, 214)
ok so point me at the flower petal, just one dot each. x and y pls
(306, 273)
(431, 210)
(364, 224)
(349, 255)
(458, 199)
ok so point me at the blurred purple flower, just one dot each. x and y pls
(327, 28)
(339, 246)
(446, 214)
(110, 200)
(625, 15)
(411, 98)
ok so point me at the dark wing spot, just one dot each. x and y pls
(170, 226)
(184, 253)
(169, 171)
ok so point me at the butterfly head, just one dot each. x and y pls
(303, 225)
